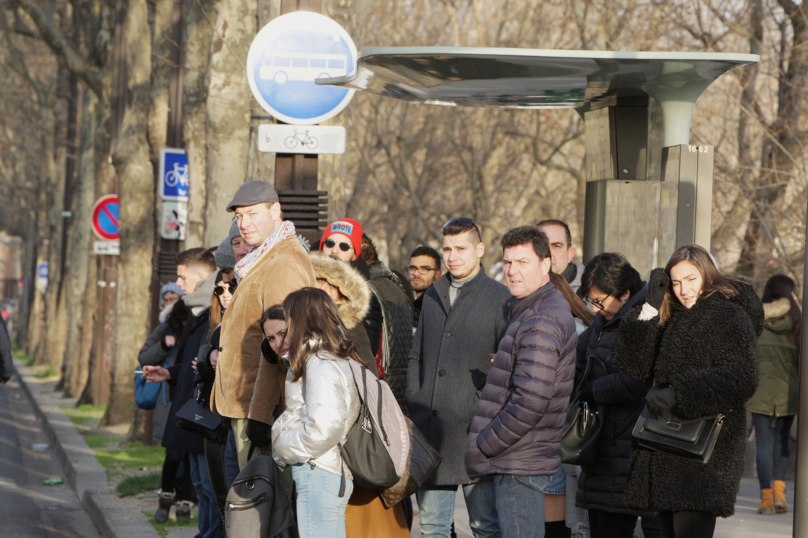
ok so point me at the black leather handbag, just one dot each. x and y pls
(579, 442)
(196, 417)
(693, 440)
(422, 462)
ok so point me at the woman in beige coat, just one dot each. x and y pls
(366, 516)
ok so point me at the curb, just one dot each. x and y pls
(114, 517)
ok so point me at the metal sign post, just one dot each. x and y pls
(801, 478)
(285, 59)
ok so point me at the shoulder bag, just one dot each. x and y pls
(196, 417)
(579, 442)
(693, 440)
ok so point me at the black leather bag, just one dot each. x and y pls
(579, 442)
(693, 440)
(196, 417)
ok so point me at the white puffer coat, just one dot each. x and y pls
(321, 407)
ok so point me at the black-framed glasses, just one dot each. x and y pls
(344, 247)
(462, 221)
(593, 303)
(422, 270)
(232, 285)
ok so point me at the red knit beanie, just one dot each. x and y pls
(348, 227)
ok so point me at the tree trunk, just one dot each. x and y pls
(81, 281)
(136, 192)
(197, 34)
(228, 113)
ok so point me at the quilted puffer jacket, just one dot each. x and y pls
(321, 407)
(520, 417)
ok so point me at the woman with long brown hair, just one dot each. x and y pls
(322, 403)
(695, 338)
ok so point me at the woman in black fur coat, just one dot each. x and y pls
(696, 335)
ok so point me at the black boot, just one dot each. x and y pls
(165, 500)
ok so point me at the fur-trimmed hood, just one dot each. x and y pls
(778, 308)
(351, 284)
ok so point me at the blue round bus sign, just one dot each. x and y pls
(288, 55)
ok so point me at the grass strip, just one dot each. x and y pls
(172, 522)
(134, 485)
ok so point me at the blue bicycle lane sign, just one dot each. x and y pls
(173, 181)
(288, 55)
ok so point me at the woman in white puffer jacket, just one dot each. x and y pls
(322, 404)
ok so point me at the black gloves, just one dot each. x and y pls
(662, 402)
(258, 432)
(658, 284)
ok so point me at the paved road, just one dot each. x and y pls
(29, 509)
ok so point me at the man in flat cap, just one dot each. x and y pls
(276, 266)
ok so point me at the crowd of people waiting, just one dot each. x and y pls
(263, 330)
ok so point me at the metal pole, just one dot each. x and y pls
(801, 481)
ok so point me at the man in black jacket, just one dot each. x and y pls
(198, 268)
(423, 271)
(463, 317)
(6, 363)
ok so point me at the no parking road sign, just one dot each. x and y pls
(288, 55)
(105, 217)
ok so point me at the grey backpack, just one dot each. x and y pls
(377, 447)
(257, 505)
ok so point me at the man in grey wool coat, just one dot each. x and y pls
(463, 317)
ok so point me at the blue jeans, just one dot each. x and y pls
(210, 519)
(771, 439)
(436, 507)
(231, 469)
(320, 509)
(520, 504)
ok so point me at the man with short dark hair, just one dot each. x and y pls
(562, 252)
(463, 317)
(248, 388)
(514, 440)
(423, 271)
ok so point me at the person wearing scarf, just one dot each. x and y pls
(248, 389)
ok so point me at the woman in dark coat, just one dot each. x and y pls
(696, 336)
(612, 287)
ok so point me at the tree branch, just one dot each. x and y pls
(60, 46)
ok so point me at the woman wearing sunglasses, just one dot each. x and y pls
(221, 474)
(611, 286)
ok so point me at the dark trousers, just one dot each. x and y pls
(651, 526)
(177, 475)
(214, 457)
(610, 525)
(687, 524)
(771, 440)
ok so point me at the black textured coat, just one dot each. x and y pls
(601, 486)
(709, 355)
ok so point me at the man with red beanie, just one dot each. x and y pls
(342, 240)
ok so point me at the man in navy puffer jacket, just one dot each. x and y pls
(516, 432)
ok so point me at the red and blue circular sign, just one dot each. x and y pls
(105, 217)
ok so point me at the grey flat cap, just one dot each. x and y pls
(225, 257)
(251, 193)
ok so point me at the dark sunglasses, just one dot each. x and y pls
(232, 285)
(344, 247)
(462, 221)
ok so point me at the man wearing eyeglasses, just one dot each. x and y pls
(423, 271)
(463, 317)
(342, 240)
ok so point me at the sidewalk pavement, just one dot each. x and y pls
(746, 523)
(114, 517)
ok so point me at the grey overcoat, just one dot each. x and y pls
(449, 363)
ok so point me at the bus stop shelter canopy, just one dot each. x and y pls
(534, 78)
